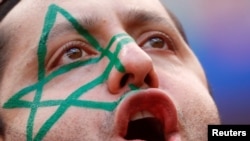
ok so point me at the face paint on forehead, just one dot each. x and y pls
(72, 100)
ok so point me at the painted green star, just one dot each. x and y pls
(16, 100)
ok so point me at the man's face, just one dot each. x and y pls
(101, 71)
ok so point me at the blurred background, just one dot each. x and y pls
(219, 33)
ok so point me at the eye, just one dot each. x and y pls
(71, 52)
(158, 41)
(74, 53)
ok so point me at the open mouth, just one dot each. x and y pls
(149, 129)
(148, 115)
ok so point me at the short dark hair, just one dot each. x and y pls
(6, 6)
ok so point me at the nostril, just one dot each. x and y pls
(148, 79)
(124, 80)
(151, 79)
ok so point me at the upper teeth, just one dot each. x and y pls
(141, 115)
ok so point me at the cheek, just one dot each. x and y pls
(81, 123)
(52, 101)
(189, 94)
(184, 86)
(16, 120)
(78, 81)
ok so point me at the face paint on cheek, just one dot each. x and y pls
(16, 100)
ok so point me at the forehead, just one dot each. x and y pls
(87, 6)
(26, 11)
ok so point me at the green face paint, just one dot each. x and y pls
(73, 99)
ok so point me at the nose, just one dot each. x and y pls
(139, 70)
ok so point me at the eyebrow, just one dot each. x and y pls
(144, 16)
(87, 22)
(140, 17)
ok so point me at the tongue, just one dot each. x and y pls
(149, 129)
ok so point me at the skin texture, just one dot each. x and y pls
(82, 101)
